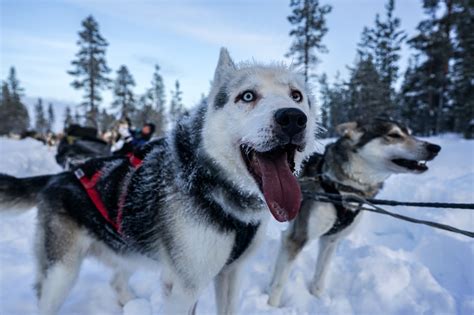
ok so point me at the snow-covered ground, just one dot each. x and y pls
(385, 267)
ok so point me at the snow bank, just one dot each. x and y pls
(385, 267)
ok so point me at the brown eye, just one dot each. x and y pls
(248, 96)
(395, 136)
(296, 96)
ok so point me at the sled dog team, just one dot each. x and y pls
(196, 202)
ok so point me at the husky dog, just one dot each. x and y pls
(358, 163)
(196, 205)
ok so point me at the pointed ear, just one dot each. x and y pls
(224, 65)
(347, 129)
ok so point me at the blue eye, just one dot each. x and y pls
(248, 96)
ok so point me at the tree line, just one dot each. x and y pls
(436, 93)
(13, 112)
(92, 76)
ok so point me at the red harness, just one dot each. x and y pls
(89, 185)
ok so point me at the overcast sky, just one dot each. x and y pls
(39, 37)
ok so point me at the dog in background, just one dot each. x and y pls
(358, 163)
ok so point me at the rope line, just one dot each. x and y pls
(447, 205)
(334, 198)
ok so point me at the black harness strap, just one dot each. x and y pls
(344, 215)
(89, 185)
(244, 232)
(243, 237)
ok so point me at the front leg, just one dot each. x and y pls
(327, 245)
(226, 285)
(120, 284)
(289, 250)
(292, 242)
(179, 299)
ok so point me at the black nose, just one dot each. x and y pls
(433, 148)
(291, 120)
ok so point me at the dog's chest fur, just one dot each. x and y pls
(170, 203)
(319, 218)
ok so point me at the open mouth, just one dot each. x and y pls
(273, 172)
(412, 165)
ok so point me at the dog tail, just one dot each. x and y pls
(20, 193)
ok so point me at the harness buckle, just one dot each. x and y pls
(79, 173)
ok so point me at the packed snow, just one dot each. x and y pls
(385, 266)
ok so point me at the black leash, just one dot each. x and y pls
(338, 199)
(447, 205)
(332, 195)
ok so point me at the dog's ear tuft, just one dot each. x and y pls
(347, 129)
(224, 65)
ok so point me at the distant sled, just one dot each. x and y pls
(79, 145)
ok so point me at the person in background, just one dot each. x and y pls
(131, 140)
(123, 142)
(143, 136)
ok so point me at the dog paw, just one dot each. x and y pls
(316, 291)
(138, 306)
(125, 297)
(273, 301)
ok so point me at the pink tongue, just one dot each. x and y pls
(280, 187)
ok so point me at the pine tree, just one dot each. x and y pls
(338, 113)
(414, 110)
(5, 100)
(106, 121)
(90, 68)
(309, 20)
(462, 91)
(41, 124)
(13, 112)
(325, 92)
(145, 108)
(68, 120)
(148, 114)
(383, 42)
(51, 117)
(158, 89)
(176, 105)
(334, 104)
(365, 93)
(14, 85)
(158, 98)
(152, 104)
(124, 99)
(434, 50)
(77, 118)
(5, 97)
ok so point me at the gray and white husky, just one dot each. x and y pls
(358, 163)
(196, 206)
